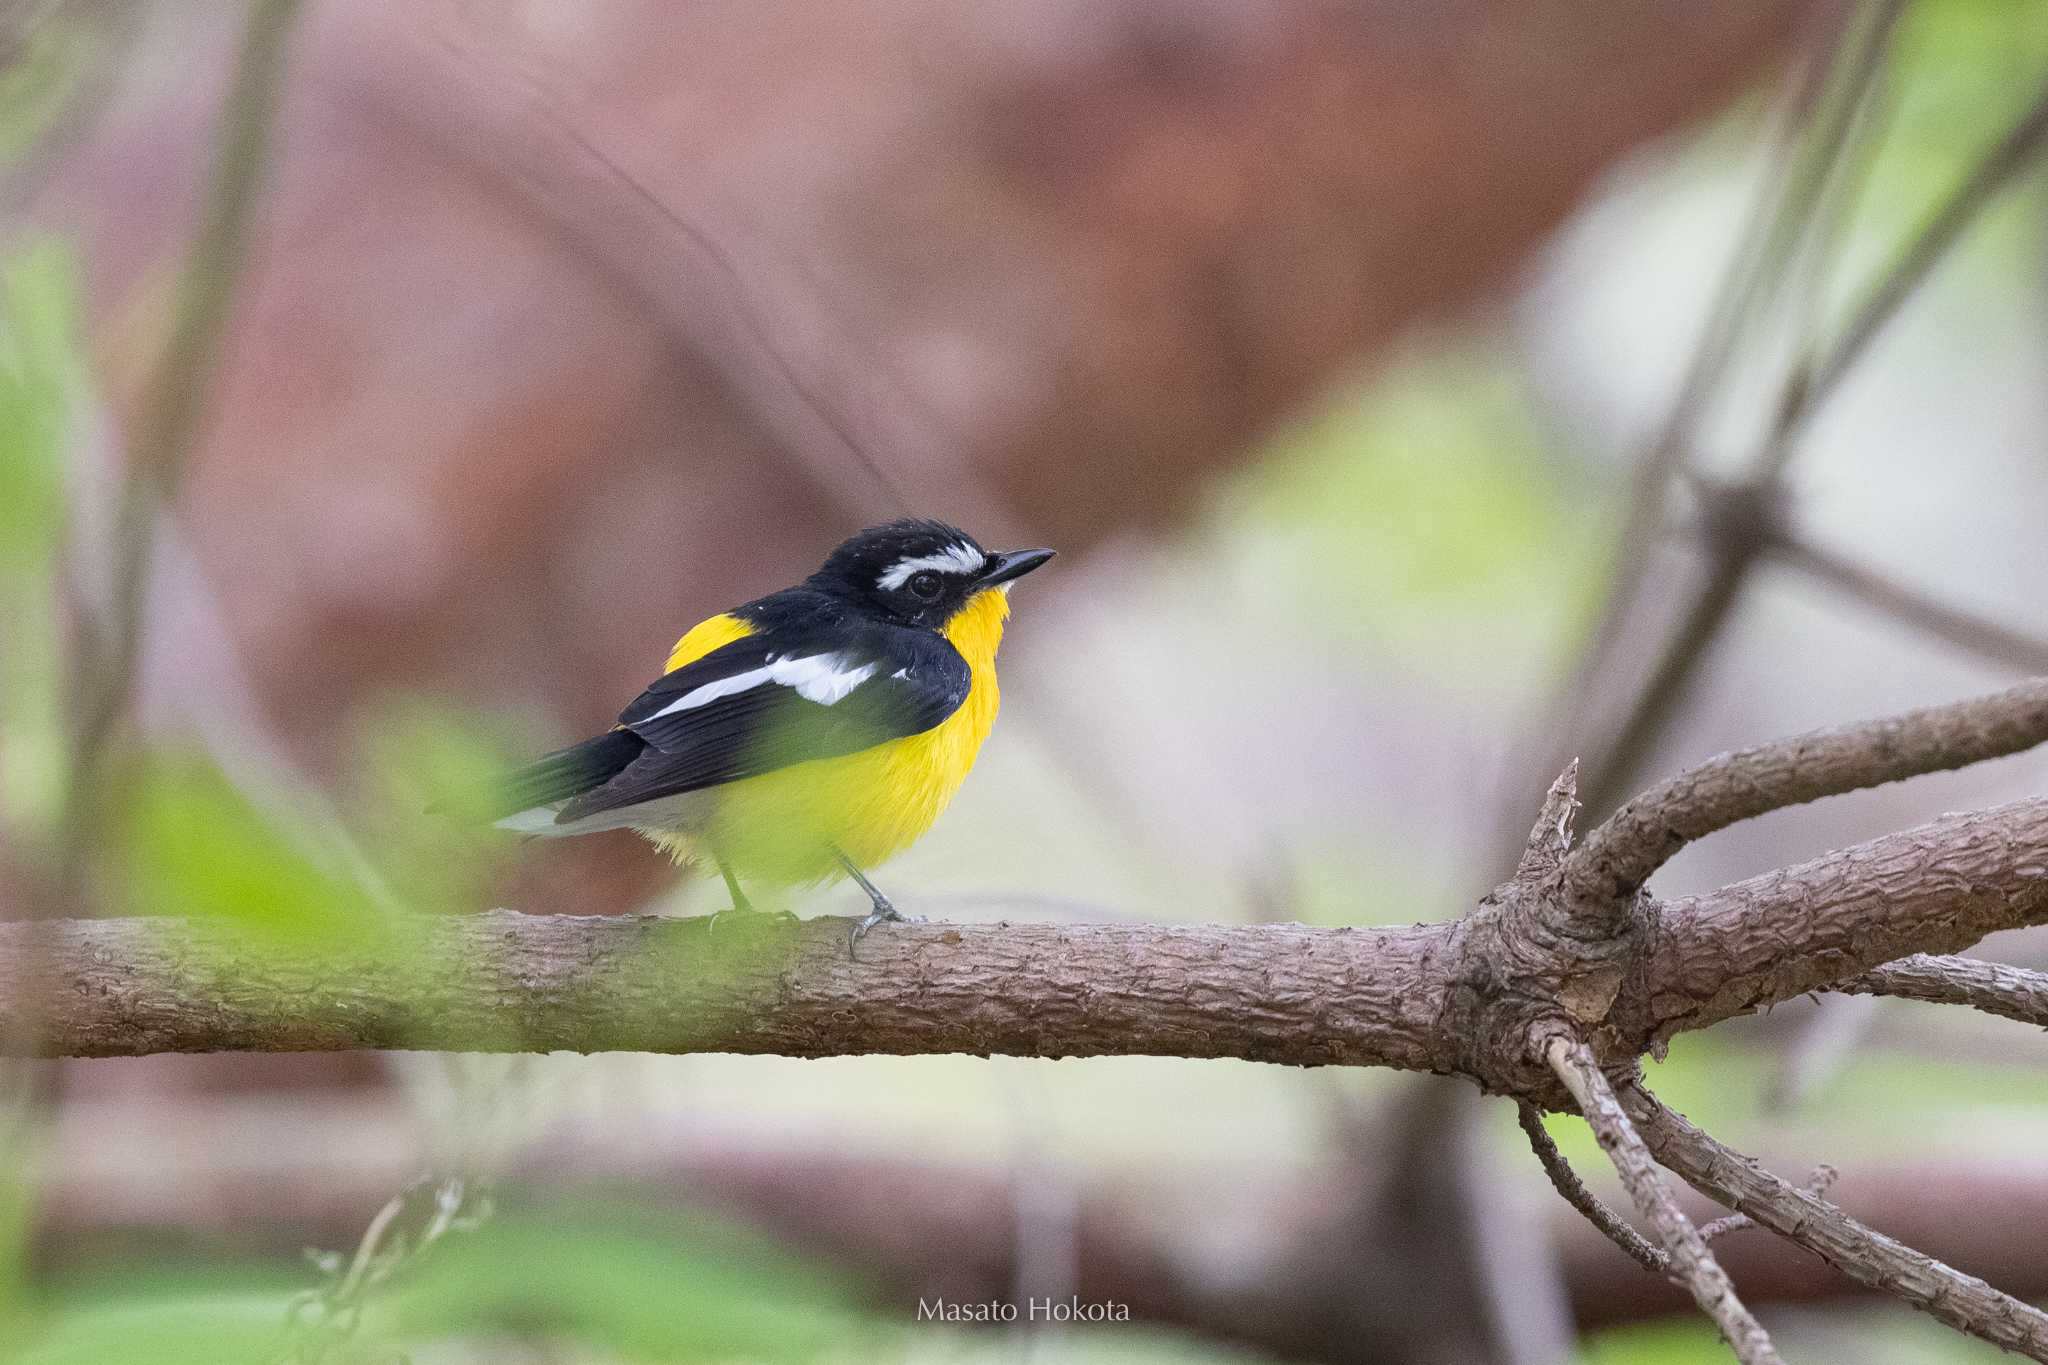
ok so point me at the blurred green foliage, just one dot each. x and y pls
(612, 1281)
(639, 1285)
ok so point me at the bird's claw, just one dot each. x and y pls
(882, 913)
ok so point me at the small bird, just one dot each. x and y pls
(816, 731)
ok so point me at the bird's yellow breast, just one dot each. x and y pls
(781, 827)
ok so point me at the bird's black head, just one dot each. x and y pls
(918, 572)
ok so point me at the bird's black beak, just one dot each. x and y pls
(1012, 565)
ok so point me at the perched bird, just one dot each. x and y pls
(816, 731)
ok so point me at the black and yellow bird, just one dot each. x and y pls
(816, 731)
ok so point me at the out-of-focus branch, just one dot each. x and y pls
(1962, 1301)
(111, 634)
(1805, 387)
(1801, 168)
(1910, 607)
(1616, 858)
(1686, 1253)
(1928, 247)
(1993, 987)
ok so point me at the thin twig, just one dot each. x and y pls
(1993, 987)
(1691, 1262)
(1962, 1301)
(110, 646)
(1973, 634)
(1616, 858)
(1567, 1182)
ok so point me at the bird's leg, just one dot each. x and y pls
(739, 897)
(740, 904)
(881, 911)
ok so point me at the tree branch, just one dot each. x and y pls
(1614, 861)
(1962, 1301)
(1993, 987)
(1442, 997)
(507, 982)
(1916, 260)
(105, 674)
(1689, 1259)
(1910, 607)
(1939, 887)
(1567, 1183)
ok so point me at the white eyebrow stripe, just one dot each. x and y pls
(822, 678)
(956, 558)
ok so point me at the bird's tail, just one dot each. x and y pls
(524, 800)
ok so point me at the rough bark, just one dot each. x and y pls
(2012, 992)
(1616, 859)
(1685, 1251)
(1936, 888)
(509, 982)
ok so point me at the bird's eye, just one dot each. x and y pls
(925, 584)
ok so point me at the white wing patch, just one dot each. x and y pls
(955, 558)
(822, 678)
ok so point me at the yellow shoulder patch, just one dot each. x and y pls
(714, 632)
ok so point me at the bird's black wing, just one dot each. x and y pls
(782, 697)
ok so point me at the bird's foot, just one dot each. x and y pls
(746, 912)
(882, 913)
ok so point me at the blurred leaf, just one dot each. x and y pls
(41, 378)
(193, 845)
(24, 1142)
(1673, 1341)
(182, 1331)
(1967, 70)
(643, 1286)
(187, 1313)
